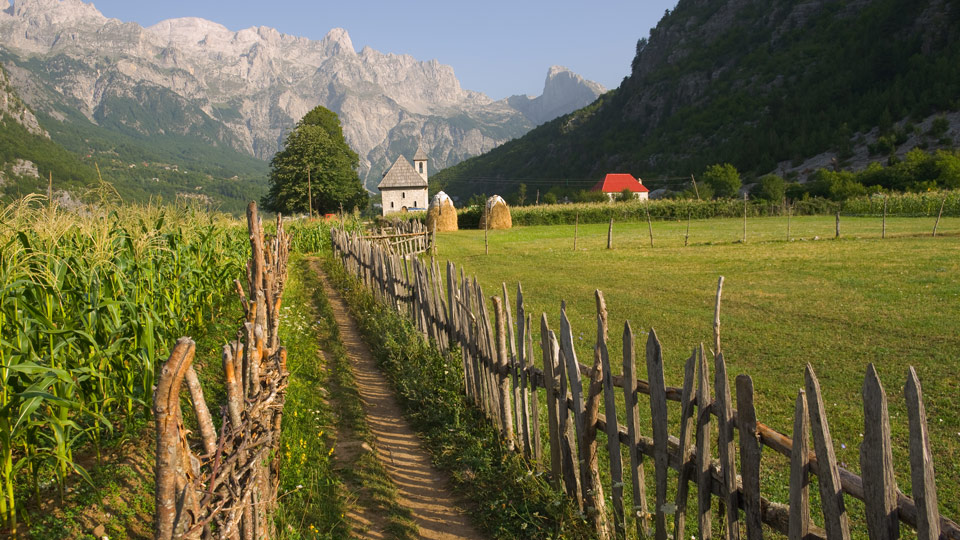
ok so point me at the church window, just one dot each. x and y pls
(391, 204)
(403, 194)
(421, 167)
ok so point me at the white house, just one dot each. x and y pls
(404, 187)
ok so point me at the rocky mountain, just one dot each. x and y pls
(13, 108)
(761, 84)
(564, 91)
(194, 80)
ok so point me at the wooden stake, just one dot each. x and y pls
(576, 227)
(649, 225)
(838, 225)
(716, 318)
(744, 240)
(486, 230)
(687, 237)
(789, 211)
(883, 231)
(610, 235)
(937, 224)
(695, 190)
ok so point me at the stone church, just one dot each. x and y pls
(404, 187)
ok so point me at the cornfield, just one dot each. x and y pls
(88, 303)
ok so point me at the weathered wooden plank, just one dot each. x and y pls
(921, 462)
(835, 517)
(704, 404)
(613, 440)
(799, 525)
(515, 412)
(523, 330)
(503, 382)
(569, 356)
(728, 464)
(658, 415)
(568, 443)
(534, 398)
(630, 399)
(749, 457)
(594, 502)
(876, 462)
(551, 350)
(687, 427)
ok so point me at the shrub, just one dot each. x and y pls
(724, 179)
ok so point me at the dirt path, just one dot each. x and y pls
(422, 488)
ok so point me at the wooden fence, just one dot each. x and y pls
(225, 486)
(501, 377)
(403, 238)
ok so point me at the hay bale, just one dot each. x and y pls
(442, 212)
(496, 214)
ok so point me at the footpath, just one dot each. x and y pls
(422, 488)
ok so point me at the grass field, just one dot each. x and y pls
(837, 304)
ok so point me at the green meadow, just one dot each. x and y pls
(837, 304)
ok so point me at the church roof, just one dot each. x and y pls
(420, 155)
(402, 175)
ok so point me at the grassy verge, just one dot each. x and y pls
(357, 462)
(509, 501)
(311, 501)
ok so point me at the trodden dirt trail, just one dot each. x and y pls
(422, 488)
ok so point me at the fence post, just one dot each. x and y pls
(940, 213)
(704, 478)
(921, 462)
(631, 393)
(658, 415)
(687, 426)
(876, 462)
(610, 235)
(728, 464)
(548, 344)
(883, 231)
(503, 364)
(646, 211)
(835, 517)
(838, 225)
(749, 457)
(799, 525)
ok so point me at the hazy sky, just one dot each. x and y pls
(497, 47)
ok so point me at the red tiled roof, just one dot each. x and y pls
(616, 183)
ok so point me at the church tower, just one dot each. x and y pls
(420, 162)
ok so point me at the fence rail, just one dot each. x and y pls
(225, 486)
(501, 378)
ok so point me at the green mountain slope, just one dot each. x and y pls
(750, 82)
(148, 142)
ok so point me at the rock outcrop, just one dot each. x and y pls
(247, 89)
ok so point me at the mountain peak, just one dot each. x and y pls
(337, 41)
(187, 29)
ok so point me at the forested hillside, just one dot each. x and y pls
(758, 84)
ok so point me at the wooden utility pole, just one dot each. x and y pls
(937, 224)
(309, 193)
(695, 190)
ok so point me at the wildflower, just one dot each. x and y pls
(330, 453)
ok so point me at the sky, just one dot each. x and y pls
(497, 47)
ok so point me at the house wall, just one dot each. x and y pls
(394, 200)
(642, 195)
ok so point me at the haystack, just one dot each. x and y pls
(442, 212)
(496, 214)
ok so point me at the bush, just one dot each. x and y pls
(723, 179)
(772, 188)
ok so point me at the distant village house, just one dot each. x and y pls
(404, 187)
(613, 185)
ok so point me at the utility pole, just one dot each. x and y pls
(695, 190)
(309, 192)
